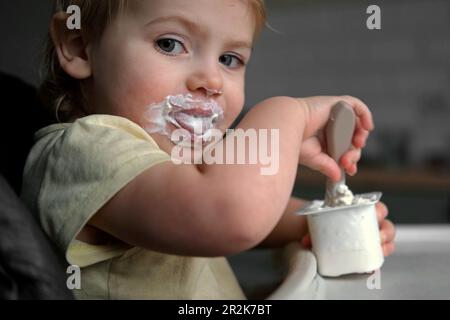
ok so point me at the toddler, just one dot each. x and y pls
(102, 180)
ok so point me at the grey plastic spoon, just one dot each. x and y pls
(339, 133)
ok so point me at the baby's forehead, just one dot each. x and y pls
(230, 20)
(228, 12)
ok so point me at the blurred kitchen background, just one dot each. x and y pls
(401, 71)
(324, 48)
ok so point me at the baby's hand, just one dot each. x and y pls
(387, 231)
(313, 153)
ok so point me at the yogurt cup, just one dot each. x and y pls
(345, 239)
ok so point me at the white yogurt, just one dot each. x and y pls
(342, 197)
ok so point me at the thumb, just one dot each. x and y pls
(325, 165)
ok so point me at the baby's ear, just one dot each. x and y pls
(71, 47)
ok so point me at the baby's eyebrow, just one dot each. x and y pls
(240, 44)
(191, 25)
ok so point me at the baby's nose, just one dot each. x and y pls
(206, 79)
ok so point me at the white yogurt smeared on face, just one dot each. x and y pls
(197, 116)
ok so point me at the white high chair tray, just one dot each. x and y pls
(419, 269)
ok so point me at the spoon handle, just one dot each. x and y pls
(339, 133)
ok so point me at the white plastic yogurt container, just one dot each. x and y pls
(345, 239)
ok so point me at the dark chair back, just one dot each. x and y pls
(30, 267)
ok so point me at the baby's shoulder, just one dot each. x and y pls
(94, 145)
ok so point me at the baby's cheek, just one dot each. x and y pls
(234, 109)
(138, 95)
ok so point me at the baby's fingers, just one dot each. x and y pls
(387, 232)
(382, 212)
(360, 137)
(312, 156)
(325, 165)
(349, 160)
(388, 249)
(362, 112)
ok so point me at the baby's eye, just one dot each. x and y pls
(170, 46)
(231, 61)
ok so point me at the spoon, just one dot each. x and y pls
(339, 133)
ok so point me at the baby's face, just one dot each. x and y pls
(160, 48)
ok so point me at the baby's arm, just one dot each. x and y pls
(290, 228)
(212, 210)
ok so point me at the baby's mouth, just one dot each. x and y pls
(194, 124)
(198, 116)
(197, 121)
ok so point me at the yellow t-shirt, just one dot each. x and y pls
(71, 172)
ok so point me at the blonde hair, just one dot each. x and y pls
(63, 95)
